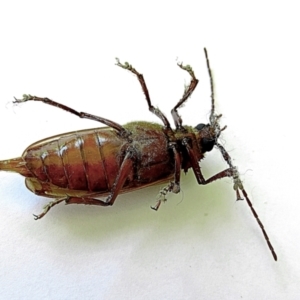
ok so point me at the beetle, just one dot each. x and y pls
(81, 166)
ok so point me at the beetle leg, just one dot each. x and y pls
(141, 79)
(121, 130)
(70, 200)
(188, 90)
(194, 162)
(230, 172)
(237, 184)
(176, 184)
(173, 186)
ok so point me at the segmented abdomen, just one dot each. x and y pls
(84, 160)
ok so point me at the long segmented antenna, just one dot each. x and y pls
(212, 96)
(237, 183)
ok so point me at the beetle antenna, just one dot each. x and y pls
(238, 186)
(212, 117)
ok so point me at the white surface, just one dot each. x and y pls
(201, 244)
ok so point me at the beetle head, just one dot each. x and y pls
(209, 133)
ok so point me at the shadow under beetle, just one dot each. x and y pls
(81, 166)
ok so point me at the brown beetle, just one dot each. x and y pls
(81, 166)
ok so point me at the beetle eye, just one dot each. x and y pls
(207, 144)
(200, 126)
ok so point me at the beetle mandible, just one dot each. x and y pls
(81, 166)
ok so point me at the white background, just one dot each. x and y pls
(201, 244)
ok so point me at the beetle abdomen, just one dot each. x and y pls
(86, 160)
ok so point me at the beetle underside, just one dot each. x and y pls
(66, 167)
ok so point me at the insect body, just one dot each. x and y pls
(81, 166)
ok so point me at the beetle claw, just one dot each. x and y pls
(186, 67)
(47, 207)
(156, 207)
(36, 217)
(238, 196)
(125, 66)
(26, 97)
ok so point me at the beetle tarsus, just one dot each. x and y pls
(125, 66)
(26, 97)
(35, 217)
(187, 68)
(238, 196)
(171, 187)
(188, 90)
(156, 206)
(48, 207)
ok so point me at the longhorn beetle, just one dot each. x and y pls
(81, 166)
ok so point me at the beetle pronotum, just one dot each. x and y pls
(81, 166)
